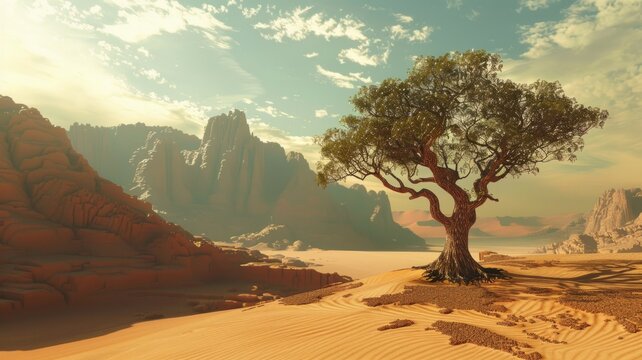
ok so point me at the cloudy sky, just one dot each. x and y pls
(292, 66)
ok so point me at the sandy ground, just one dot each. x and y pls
(361, 264)
(342, 326)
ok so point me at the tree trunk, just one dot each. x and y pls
(455, 263)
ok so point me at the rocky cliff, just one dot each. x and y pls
(614, 209)
(232, 183)
(110, 149)
(65, 232)
(614, 225)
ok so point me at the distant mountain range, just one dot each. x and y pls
(550, 227)
(230, 184)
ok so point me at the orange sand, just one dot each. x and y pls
(343, 327)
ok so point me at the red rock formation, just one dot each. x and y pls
(65, 232)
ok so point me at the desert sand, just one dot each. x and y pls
(361, 264)
(338, 323)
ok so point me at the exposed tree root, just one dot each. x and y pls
(440, 271)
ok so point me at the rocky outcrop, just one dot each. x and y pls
(487, 256)
(614, 225)
(66, 233)
(277, 237)
(576, 244)
(233, 183)
(614, 209)
(109, 150)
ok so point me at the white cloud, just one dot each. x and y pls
(76, 78)
(403, 18)
(474, 14)
(594, 53)
(399, 32)
(143, 51)
(301, 144)
(249, 12)
(221, 9)
(311, 55)
(342, 80)
(583, 21)
(298, 24)
(360, 55)
(454, 4)
(154, 75)
(141, 19)
(360, 77)
(533, 5)
(320, 113)
(272, 111)
(95, 10)
(65, 13)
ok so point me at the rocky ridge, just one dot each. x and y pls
(66, 233)
(613, 210)
(614, 225)
(233, 184)
(112, 150)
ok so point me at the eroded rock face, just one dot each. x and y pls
(109, 150)
(614, 225)
(614, 209)
(576, 244)
(233, 184)
(65, 232)
(274, 236)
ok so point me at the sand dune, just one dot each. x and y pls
(342, 326)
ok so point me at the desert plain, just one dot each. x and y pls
(584, 306)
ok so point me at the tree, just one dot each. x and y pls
(454, 124)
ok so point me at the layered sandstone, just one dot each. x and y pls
(65, 232)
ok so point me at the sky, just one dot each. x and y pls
(293, 66)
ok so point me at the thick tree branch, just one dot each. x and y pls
(435, 207)
(444, 177)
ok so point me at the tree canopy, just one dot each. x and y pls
(451, 119)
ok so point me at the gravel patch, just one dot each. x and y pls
(396, 324)
(624, 305)
(461, 333)
(569, 321)
(446, 296)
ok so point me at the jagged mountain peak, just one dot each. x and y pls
(227, 129)
(234, 183)
(614, 209)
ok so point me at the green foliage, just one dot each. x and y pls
(453, 117)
